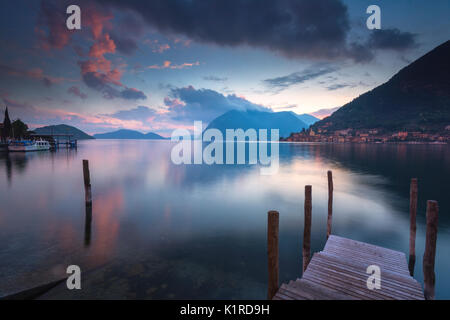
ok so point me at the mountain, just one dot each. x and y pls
(287, 122)
(128, 134)
(307, 118)
(416, 98)
(63, 129)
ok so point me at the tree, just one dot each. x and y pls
(7, 129)
(19, 129)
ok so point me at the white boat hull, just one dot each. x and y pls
(28, 148)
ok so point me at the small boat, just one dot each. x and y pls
(28, 145)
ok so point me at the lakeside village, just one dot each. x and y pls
(375, 135)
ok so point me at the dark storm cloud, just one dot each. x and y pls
(191, 104)
(132, 94)
(295, 28)
(284, 82)
(124, 45)
(100, 82)
(392, 39)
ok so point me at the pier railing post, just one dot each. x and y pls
(272, 252)
(330, 202)
(307, 228)
(412, 227)
(87, 183)
(430, 249)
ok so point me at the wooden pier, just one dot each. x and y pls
(339, 272)
(351, 270)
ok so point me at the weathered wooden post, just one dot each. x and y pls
(87, 183)
(88, 226)
(430, 249)
(272, 252)
(307, 228)
(330, 202)
(412, 227)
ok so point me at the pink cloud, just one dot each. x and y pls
(168, 65)
(156, 46)
(97, 20)
(34, 73)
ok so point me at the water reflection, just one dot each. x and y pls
(159, 230)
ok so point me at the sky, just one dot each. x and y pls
(159, 65)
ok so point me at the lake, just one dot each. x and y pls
(167, 231)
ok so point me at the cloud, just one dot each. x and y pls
(189, 104)
(138, 113)
(281, 83)
(34, 74)
(323, 113)
(124, 45)
(100, 82)
(35, 116)
(301, 28)
(214, 78)
(392, 39)
(156, 46)
(77, 92)
(339, 86)
(132, 94)
(52, 17)
(168, 65)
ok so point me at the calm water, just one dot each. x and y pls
(164, 231)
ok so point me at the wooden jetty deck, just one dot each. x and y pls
(339, 272)
(351, 270)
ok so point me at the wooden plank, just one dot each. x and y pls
(350, 283)
(343, 254)
(370, 261)
(358, 281)
(361, 268)
(339, 272)
(320, 291)
(366, 246)
(387, 283)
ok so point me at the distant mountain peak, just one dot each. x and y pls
(128, 134)
(416, 98)
(63, 129)
(286, 121)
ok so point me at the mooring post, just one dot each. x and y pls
(272, 252)
(430, 249)
(88, 226)
(307, 228)
(87, 183)
(330, 202)
(412, 227)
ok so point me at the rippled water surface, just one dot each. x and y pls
(161, 230)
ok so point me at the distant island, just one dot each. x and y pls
(413, 106)
(63, 129)
(286, 121)
(128, 134)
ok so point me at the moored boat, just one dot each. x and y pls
(28, 145)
